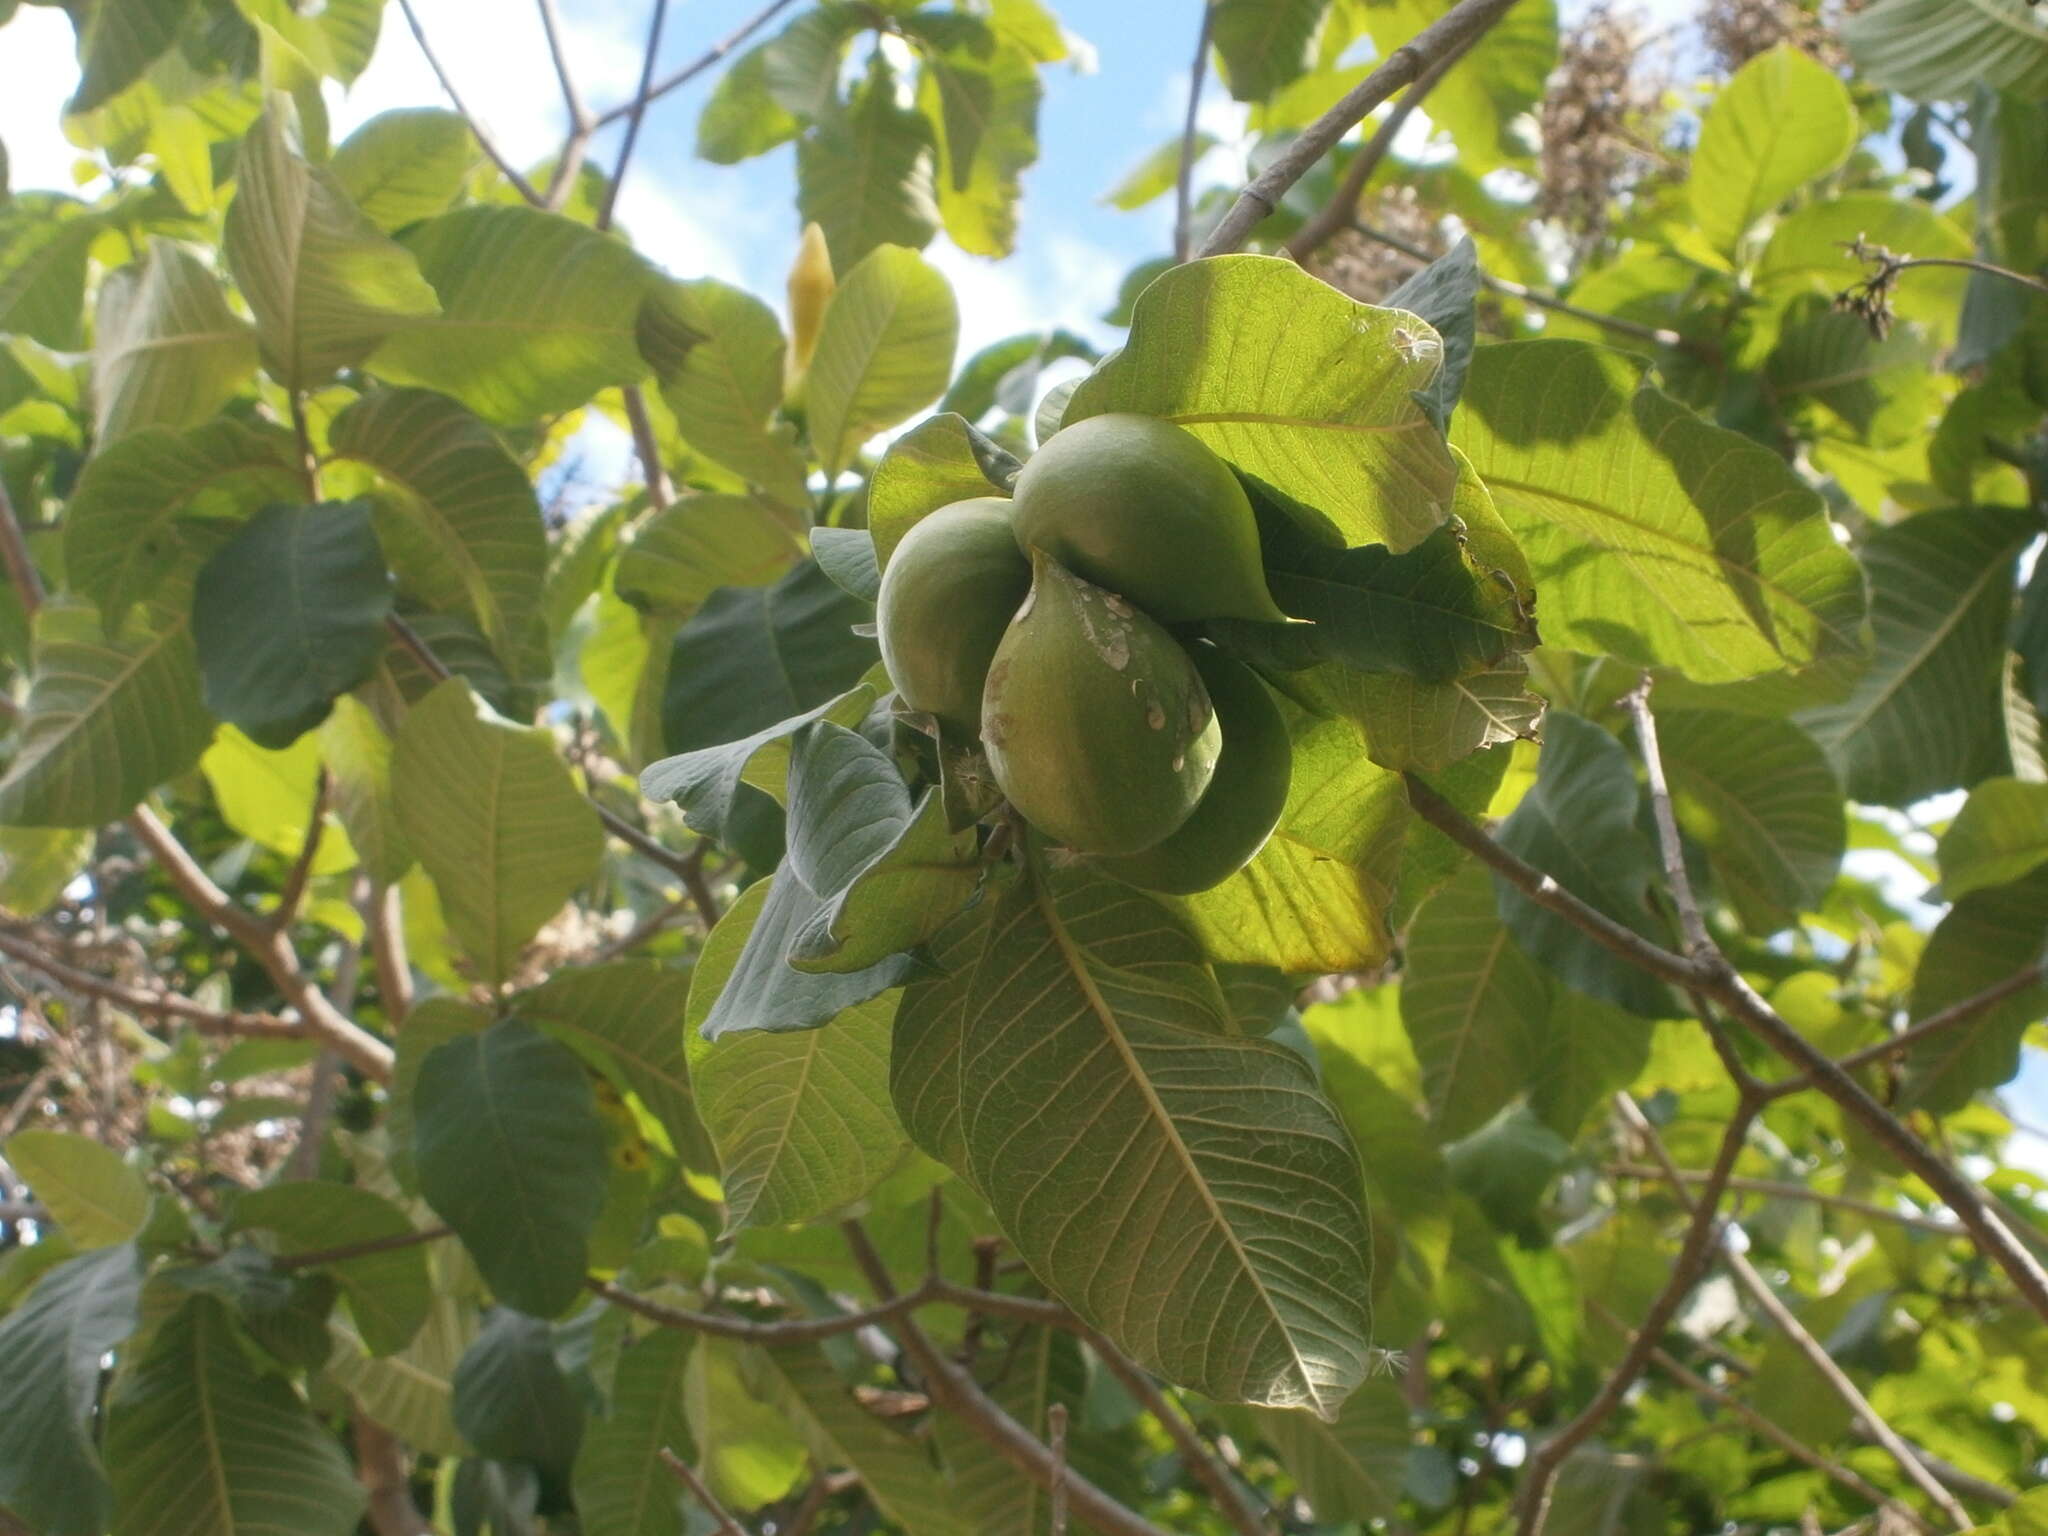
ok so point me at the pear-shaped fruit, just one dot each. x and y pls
(1142, 507)
(1243, 802)
(946, 598)
(1097, 725)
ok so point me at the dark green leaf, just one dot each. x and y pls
(622, 1018)
(622, 1486)
(512, 1400)
(1263, 44)
(847, 555)
(1445, 293)
(1351, 1468)
(1938, 52)
(1986, 937)
(389, 1293)
(511, 1154)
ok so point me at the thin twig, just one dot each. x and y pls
(569, 163)
(384, 925)
(1692, 923)
(647, 448)
(165, 1005)
(1782, 1438)
(698, 65)
(1782, 1189)
(21, 570)
(572, 99)
(1537, 296)
(292, 894)
(314, 1258)
(483, 138)
(685, 1474)
(1694, 1255)
(799, 1330)
(633, 118)
(1343, 207)
(1403, 66)
(1056, 1443)
(1184, 181)
(2024, 979)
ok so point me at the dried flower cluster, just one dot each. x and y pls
(1601, 122)
(1736, 31)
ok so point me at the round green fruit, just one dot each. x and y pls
(947, 596)
(1143, 508)
(1242, 805)
(1097, 725)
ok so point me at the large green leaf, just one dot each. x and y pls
(623, 1018)
(1999, 835)
(864, 174)
(495, 817)
(458, 516)
(1923, 718)
(201, 1442)
(51, 1346)
(622, 1486)
(96, 1198)
(1758, 795)
(717, 352)
(335, 39)
(144, 505)
(511, 1154)
(389, 1293)
(117, 41)
(942, 459)
(412, 1392)
(1782, 121)
(885, 350)
(1654, 537)
(538, 313)
(1410, 724)
(1353, 1468)
(357, 753)
(167, 351)
(44, 240)
(324, 284)
(679, 557)
(512, 1400)
(801, 1119)
(749, 1453)
(1937, 50)
(981, 100)
(406, 165)
(108, 719)
(288, 615)
(1985, 938)
(1196, 1198)
(1295, 384)
(1882, 390)
(1263, 44)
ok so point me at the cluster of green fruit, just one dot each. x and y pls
(1056, 629)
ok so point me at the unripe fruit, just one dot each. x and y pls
(1097, 725)
(947, 595)
(1242, 805)
(1143, 508)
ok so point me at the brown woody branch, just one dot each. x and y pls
(690, 71)
(314, 1258)
(633, 118)
(163, 1005)
(483, 138)
(1406, 64)
(685, 1474)
(1966, 1011)
(380, 1467)
(292, 894)
(1782, 1189)
(14, 557)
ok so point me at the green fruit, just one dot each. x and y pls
(1143, 508)
(1242, 805)
(946, 598)
(1097, 725)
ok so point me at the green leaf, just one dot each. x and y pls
(847, 555)
(44, 240)
(939, 461)
(511, 1154)
(1446, 295)
(1351, 1468)
(457, 516)
(1654, 537)
(288, 615)
(406, 165)
(143, 505)
(538, 313)
(200, 1442)
(389, 1293)
(117, 41)
(268, 796)
(1578, 824)
(752, 656)
(864, 176)
(496, 819)
(741, 118)
(512, 1401)
(802, 62)
(1986, 937)
(1999, 835)
(1505, 1166)
(622, 1486)
(325, 286)
(96, 1198)
(37, 863)
(747, 1450)
(1939, 52)
(717, 353)
(1923, 718)
(1883, 391)
(1263, 44)
(801, 1119)
(1156, 174)
(993, 1496)
(50, 1351)
(1410, 724)
(1316, 897)
(1293, 383)
(885, 350)
(1481, 102)
(335, 40)
(1782, 121)
(1164, 1209)
(167, 351)
(412, 1392)
(358, 753)
(1758, 795)
(678, 559)
(896, 1470)
(982, 105)
(622, 1018)
(108, 719)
